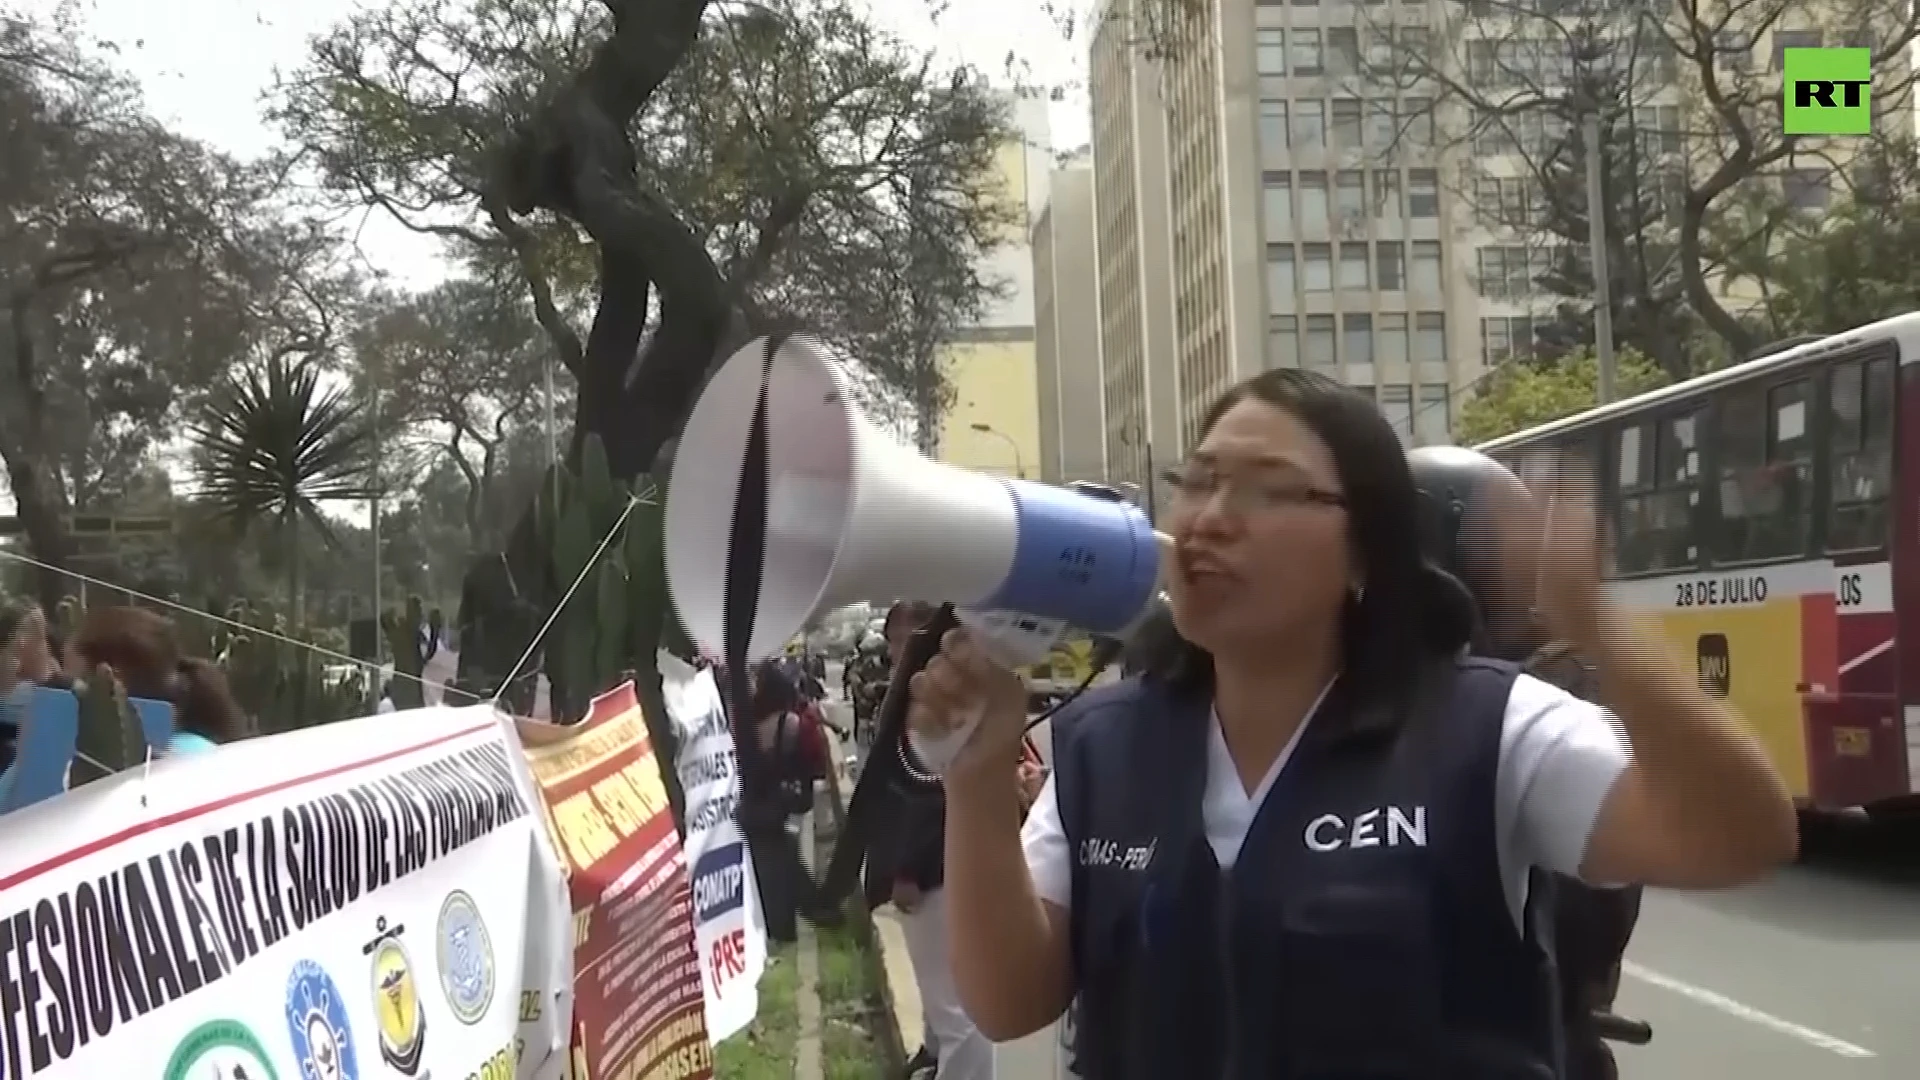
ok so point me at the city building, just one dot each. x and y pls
(1316, 208)
(1133, 240)
(1072, 393)
(994, 422)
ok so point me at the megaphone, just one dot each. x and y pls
(854, 515)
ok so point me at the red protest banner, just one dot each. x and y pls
(638, 1012)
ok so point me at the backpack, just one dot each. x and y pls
(1591, 926)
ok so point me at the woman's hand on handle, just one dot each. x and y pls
(965, 694)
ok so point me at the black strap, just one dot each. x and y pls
(746, 565)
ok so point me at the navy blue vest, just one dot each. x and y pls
(1363, 933)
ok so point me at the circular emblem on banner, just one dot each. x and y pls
(396, 1000)
(317, 1025)
(466, 958)
(220, 1050)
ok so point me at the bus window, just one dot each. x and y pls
(1632, 479)
(1766, 462)
(1860, 407)
(1658, 524)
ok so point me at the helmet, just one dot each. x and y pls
(1452, 482)
(873, 642)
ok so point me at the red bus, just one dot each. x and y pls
(1757, 511)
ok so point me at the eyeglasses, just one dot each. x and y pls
(1196, 483)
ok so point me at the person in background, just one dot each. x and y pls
(144, 653)
(916, 867)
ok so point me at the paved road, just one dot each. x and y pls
(1814, 975)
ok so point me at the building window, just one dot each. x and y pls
(1273, 125)
(1381, 131)
(1423, 193)
(1657, 130)
(1390, 264)
(1396, 404)
(1386, 194)
(1313, 199)
(1319, 350)
(1503, 338)
(1417, 115)
(1309, 124)
(1276, 189)
(1391, 343)
(1505, 271)
(1766, 466)
(1657, 477)
(1356, 266)
(1350, 195)
(1280, 283)
(1357, 340)
(1793, 39)
(1430, 337)
(1319, 267)
(1806, 189)
(1504, 202)
(1433, 416)
(1346, 123)
(1283, 341)
(1426, 267)
(1860, 482)
(1343, 50)
(1306, 59)
(1270, 51)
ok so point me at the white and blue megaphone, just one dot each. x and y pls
(853, 515)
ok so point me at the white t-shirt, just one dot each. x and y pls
(1559, 757)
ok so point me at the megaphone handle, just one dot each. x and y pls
(884, 773)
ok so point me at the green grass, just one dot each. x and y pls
(765, 1051)
(848, 999)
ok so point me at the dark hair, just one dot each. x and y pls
(919, 611)
(144, 653)
(773, 692)
(1408, 617)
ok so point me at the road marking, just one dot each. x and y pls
(1747, 1012)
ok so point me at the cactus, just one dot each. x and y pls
(109, 738)
(612, 625)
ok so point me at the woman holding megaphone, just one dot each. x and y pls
(1300, 843)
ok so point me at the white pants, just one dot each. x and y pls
(964, 1053)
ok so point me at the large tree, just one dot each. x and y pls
(703, 171)
(1688, 101)
(135, 266)
(463, 367)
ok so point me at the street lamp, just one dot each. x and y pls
(1019, 467)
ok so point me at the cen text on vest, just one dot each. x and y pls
(1388, 825)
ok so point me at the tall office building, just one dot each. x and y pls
(1133, 239)
(1320, 211)
(1302, 229)
(994, 424)
(1066, 290)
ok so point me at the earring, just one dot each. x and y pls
(1357, 592)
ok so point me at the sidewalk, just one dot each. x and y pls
(1031, 1058)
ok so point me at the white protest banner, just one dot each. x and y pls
(727, 924)
(370, 899)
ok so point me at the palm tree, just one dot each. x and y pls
(273, 445)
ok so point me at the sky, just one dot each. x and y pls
(206, 64)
